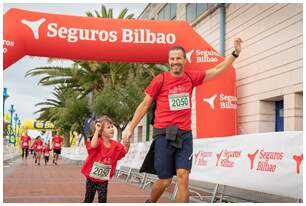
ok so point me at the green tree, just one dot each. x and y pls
(108, 13)
(65, 110)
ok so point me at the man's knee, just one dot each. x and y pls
(182, 176)
(164, 183)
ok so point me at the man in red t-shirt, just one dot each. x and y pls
(24, 143)
(172, 92)
(57, 141)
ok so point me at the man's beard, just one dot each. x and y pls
(177, 72)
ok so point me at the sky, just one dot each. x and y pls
(25, 92)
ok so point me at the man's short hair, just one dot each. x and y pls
(178, 48)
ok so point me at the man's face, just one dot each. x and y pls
(176, 61)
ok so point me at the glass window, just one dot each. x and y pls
(167, 12)
(172, 11)
(191, 12)
(161, 14)
(201, 8)
(279, 116)
(195, 10)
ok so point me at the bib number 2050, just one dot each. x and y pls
(179, 101)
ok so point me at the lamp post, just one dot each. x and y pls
(5, 96)
(16, 118)
(11, 110)
(19, 124)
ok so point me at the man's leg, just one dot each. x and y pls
(158, 188)
(182, 183)
(22, 155)
(54, 156)
(57, 155)
(26, 153)
(39, 156)
(183, 163)
(164, 166)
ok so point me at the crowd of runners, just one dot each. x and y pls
(39, 148)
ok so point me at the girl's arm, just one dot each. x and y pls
(94, 140)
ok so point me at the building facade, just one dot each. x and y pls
(269, 70)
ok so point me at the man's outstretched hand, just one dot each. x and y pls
(237, 45)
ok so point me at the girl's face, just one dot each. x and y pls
(108, 130)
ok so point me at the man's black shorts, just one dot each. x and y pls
(57, 151)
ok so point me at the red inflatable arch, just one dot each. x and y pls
(121, 40)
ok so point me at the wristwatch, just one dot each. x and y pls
(235, 55)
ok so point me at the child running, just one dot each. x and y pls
(38, 146)
(101, 162)
(46, 151)
(32, 149)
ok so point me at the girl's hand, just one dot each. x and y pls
(98, 127)
(126, 141)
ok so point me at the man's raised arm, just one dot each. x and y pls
(211, 73)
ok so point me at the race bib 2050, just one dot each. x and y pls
(179, 101)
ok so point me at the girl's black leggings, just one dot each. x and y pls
(92, 187)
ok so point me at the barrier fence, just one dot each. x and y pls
(265, 162)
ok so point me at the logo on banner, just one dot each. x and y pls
(264, 164)
(252, 158)
(227, 158)
(298, 159)
(34, 26)
(202, 56)
(225, 102)
(218, 157)
(200, 158)
(73, 35)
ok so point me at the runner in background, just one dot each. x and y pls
(32, 148)
(25, 142)
(57, 142)
(38, 146)
(46, 152)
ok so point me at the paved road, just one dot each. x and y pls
(27, 183)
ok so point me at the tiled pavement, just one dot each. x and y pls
(64, 183)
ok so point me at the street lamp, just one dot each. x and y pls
(11, 110)
(16, 120)
(5, 96)
(19, 124)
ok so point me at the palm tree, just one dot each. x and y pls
(51, 107)
(65, 110)
(104, 13)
